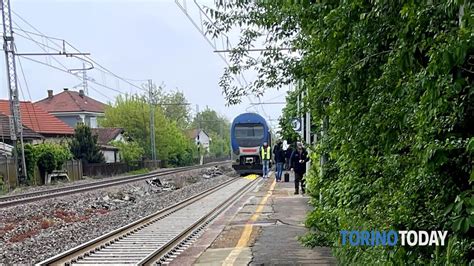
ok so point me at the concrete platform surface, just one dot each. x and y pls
(262, 228)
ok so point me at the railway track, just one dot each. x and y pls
(7, 201)
(154, 239)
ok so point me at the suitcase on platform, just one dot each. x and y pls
(287, 177)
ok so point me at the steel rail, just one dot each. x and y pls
(119, 236)
(163, 254)
(7, 201)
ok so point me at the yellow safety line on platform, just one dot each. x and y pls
(245, 237)
(251, 177)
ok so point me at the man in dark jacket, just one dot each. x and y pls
(288, 153)
(298, 164)
(279, 160)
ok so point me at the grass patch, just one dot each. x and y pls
(138, 172)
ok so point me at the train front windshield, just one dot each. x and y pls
(249, 135)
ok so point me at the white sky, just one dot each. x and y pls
(134, 39)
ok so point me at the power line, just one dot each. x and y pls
(70, 45)
(262, 103)
(65, 70)
(99, 92)
(73, 74)
(213, 45)
(29, 94)
(39, 44)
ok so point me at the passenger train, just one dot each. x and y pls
(248, 133)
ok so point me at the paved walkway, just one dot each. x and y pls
(261, 229)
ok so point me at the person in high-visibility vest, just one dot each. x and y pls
(265, 153)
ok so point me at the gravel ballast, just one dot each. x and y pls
(36, 231)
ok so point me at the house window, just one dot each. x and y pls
(93, 122)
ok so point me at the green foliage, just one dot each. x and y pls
(30, 159)
(84, 146)
(176, 108)
(130, 152)
(218, 128)
(138, 172)
(394, 79)
(288, 114)
(3, 187)
(49, 156)
(171, 143)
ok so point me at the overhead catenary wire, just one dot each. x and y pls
(213, 45)
(77, 50)
(99, 92)
(29, 94)
(73, 74)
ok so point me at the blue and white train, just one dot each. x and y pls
(248, 133)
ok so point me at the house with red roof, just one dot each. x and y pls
(73, 107)
(104, 137)
(36, 119)
(6, 131)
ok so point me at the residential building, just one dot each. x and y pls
(38, 120)
(6, 132)
(200, 138)
(73, 107)
(104, 137)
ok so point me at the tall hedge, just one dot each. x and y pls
(394, 79)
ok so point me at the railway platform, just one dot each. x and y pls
(261, 228)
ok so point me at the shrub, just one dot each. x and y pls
(130, 152)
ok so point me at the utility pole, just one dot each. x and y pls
(201, 155)
(198, 118)
(9, 48)
(300, 111)
(84, 79)
(308, 125)
(152, 120)
(221, 135)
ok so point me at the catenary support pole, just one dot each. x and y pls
(9, 48)
(308, 126)
(152, 120)
(84, 79)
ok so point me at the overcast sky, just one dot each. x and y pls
(135, 40)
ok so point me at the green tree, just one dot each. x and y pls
(392, 81)
(84, 146)
(171, 142)
(218, 128)
(47, 156)
(176, 108)
(130, 152)
(289, 112)
(30, 160)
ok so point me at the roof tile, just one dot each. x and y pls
(38, 119)
(5, 129)
(106, 134)
(70, 101)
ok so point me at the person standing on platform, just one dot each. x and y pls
(279, 160)
(265, 154)
(288, 153)
(298, 164)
